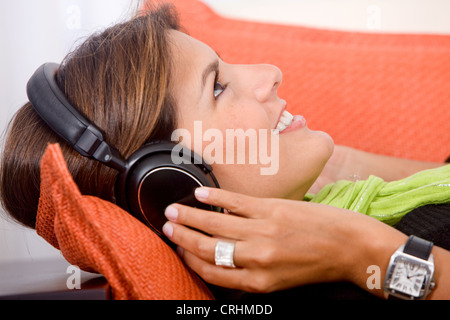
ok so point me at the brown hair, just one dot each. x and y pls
(119, 79)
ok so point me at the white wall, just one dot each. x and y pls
(37, 31)
(400, 16)
(33, 32)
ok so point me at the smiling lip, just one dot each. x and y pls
(297, 123)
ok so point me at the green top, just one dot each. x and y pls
(388, 201)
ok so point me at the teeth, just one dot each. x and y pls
(285, 121)
(286, 118)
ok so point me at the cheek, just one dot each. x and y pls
(247, 179)
(242, 115)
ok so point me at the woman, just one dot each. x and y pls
(142, 79)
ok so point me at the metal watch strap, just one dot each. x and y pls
(418, 247)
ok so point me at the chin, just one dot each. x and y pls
(301, 168)
(328, 145)
(324, 148)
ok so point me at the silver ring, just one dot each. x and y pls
(224, 254)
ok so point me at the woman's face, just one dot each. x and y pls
(219, 103)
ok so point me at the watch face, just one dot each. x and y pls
(408, 277)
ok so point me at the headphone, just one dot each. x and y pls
(152, 178)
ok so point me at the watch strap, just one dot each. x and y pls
(418, 247)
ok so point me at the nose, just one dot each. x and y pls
(267, 80)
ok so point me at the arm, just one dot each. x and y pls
(351, 164)
(282, 244)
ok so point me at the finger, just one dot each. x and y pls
(210, 222)
(219, 276)
(200, 245)
(236, 203)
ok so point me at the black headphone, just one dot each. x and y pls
(154, 177)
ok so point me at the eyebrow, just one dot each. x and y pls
(212, 67)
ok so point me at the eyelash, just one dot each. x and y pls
(218, 87)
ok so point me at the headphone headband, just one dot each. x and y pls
(54, 108)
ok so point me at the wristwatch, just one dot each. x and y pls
(410, 274)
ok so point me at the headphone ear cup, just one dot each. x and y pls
(154, 182)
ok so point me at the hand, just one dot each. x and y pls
(279, 243)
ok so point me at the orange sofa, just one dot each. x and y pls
(388, 94)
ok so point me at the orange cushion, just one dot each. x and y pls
(100, 237)
(383, 93)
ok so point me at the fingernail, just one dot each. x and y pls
(180, 251)
(168, 230)
(201, 193)
(171, 213)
